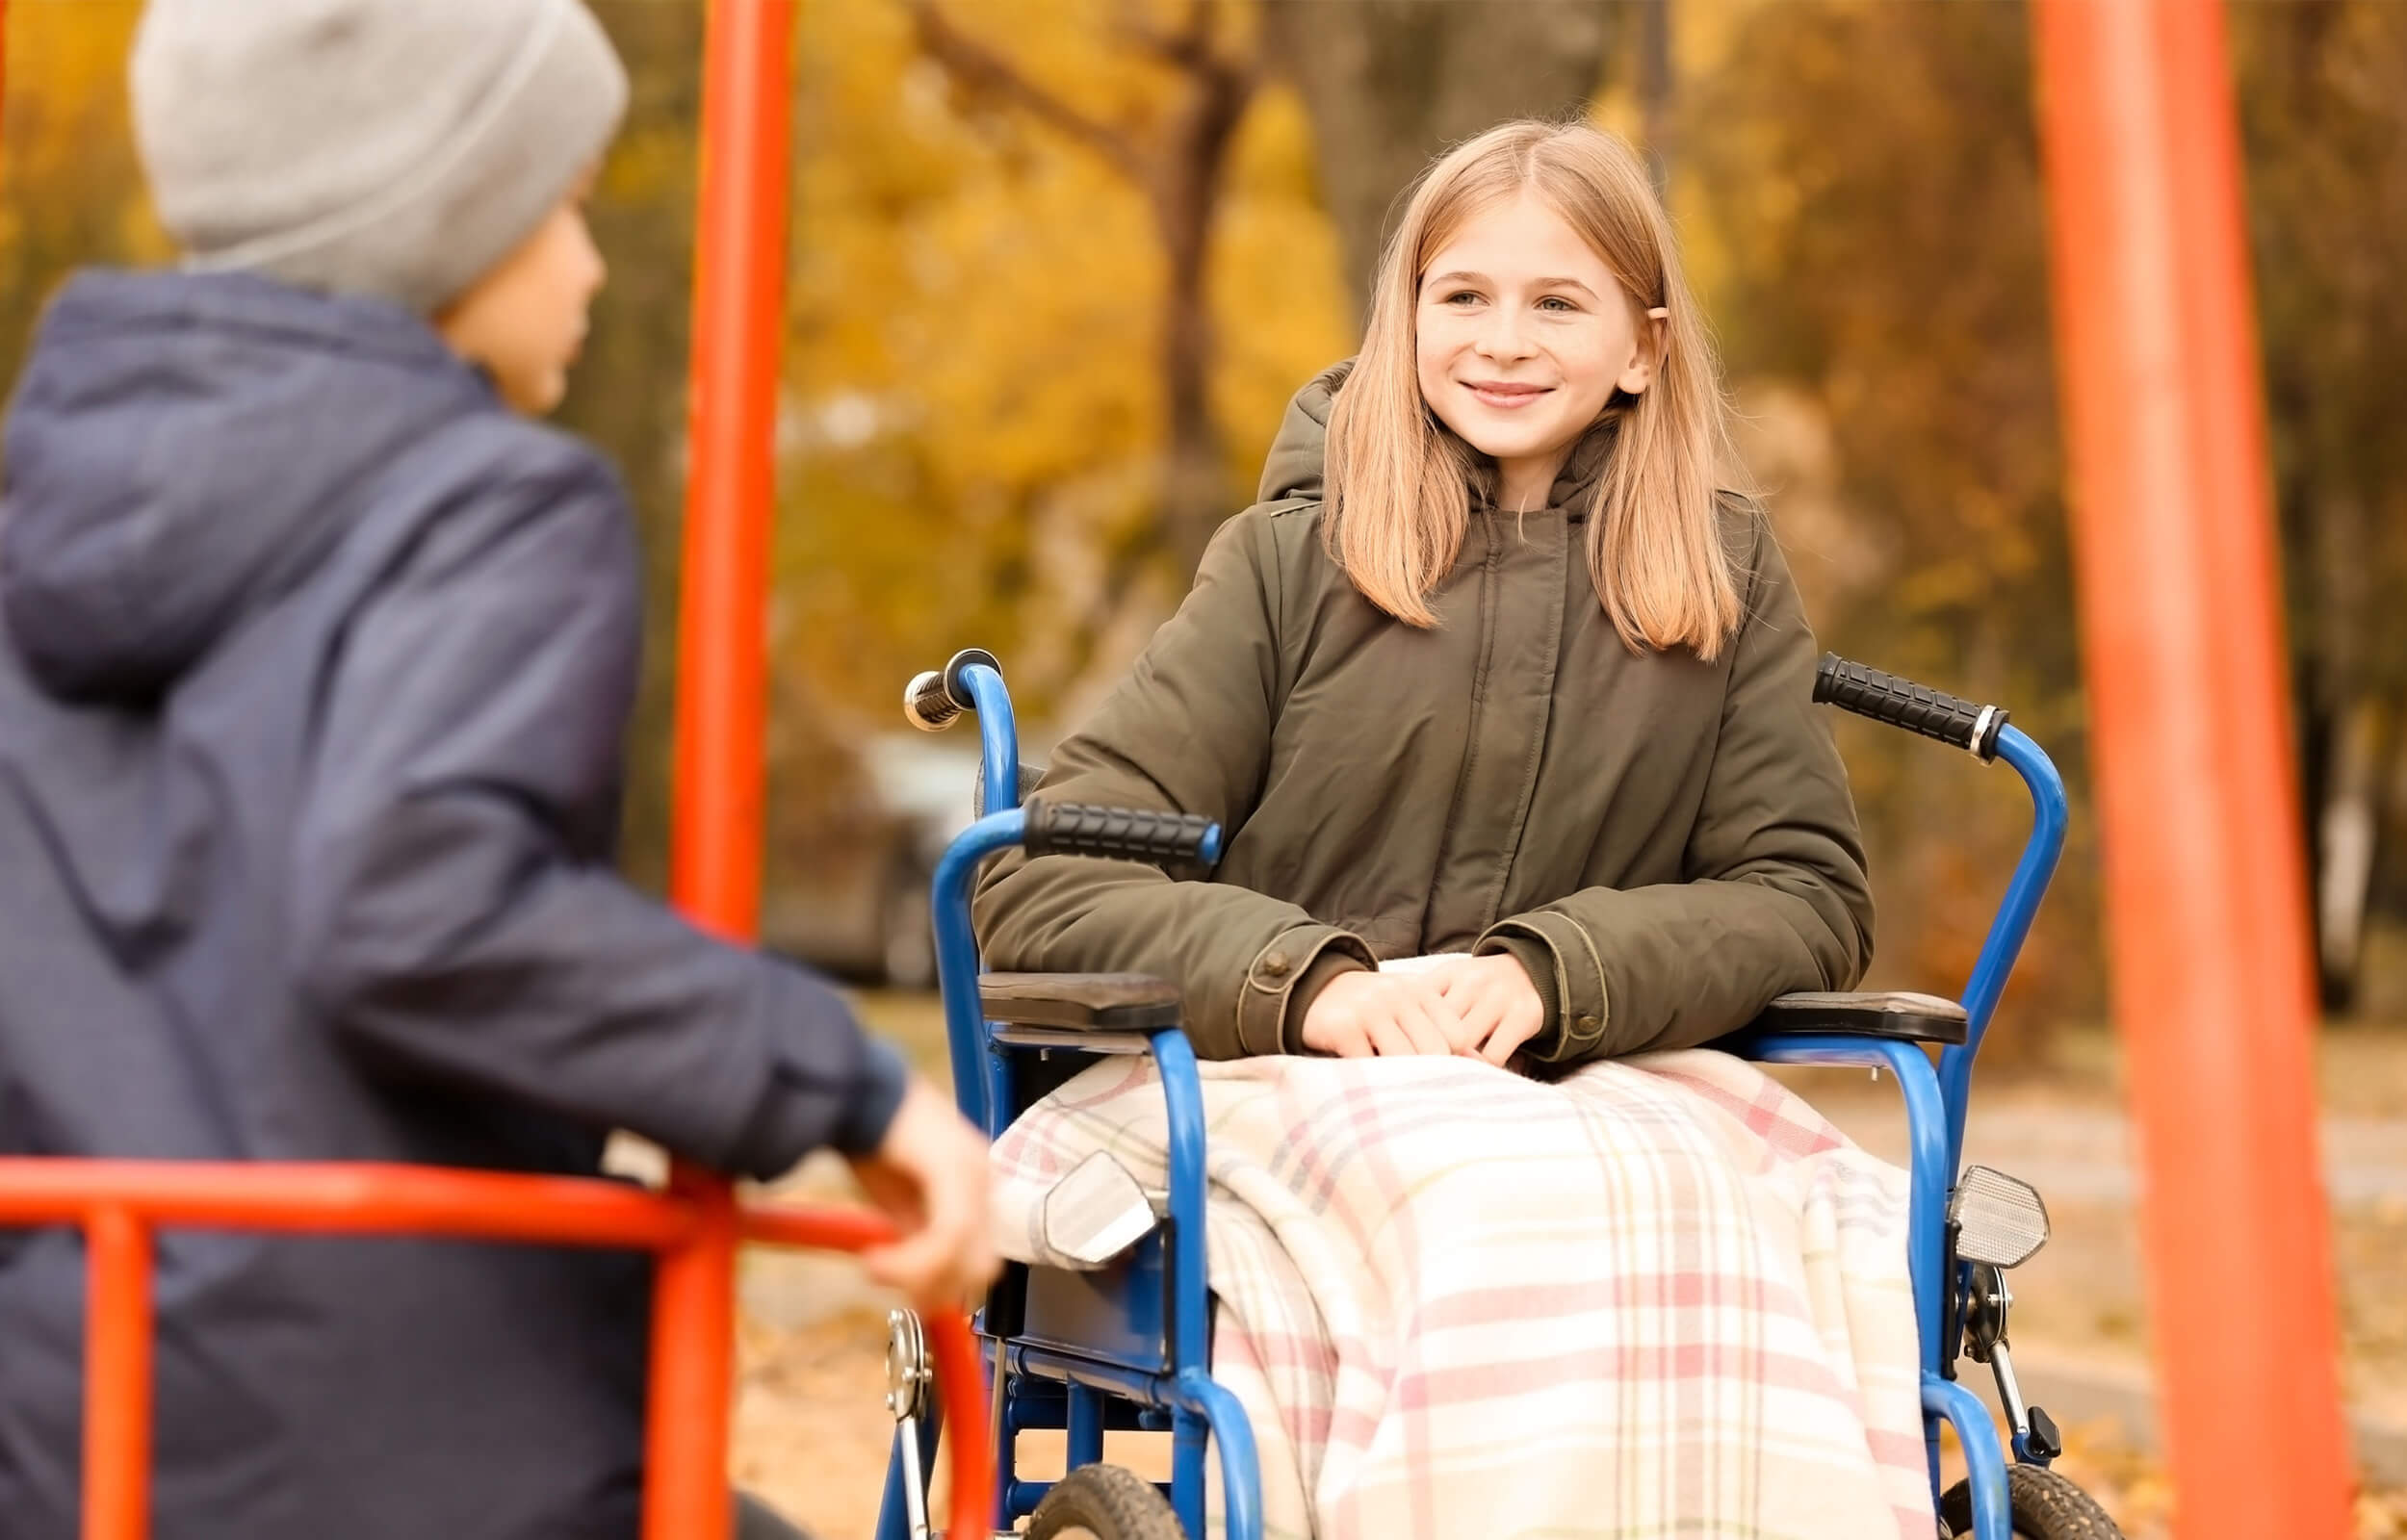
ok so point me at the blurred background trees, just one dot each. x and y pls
(1056, 265)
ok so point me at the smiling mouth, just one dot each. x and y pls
(1504, 395)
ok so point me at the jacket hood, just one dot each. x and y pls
(182, 449)
(1296, 465)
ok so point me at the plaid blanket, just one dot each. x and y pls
(1660, 1298)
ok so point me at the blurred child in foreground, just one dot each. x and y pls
(317, 662)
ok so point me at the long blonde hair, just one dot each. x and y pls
(1399, 482)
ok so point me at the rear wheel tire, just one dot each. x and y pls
(2046, 1507)
(1105, 1503)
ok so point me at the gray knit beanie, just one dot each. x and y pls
(391, 148)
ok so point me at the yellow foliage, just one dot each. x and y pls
(71, 191)
(977, 309)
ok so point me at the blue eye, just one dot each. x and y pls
(1558, 305)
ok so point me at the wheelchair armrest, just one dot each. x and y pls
(1890, 1013)
(1081, 1002)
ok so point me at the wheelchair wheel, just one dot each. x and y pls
(2045, 1506)
(1103, 1502)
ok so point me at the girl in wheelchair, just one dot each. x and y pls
(1505, 706)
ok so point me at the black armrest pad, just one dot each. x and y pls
(1099, 1002)
(1893, 1013)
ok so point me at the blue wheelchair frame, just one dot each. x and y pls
(1172, 1390)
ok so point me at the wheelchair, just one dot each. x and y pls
(1128, 1345)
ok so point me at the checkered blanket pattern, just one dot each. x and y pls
(1660, 1298)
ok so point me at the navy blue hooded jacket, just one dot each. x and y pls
(314, 670)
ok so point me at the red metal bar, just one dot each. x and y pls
(695, 1226)
(738, 319)
(961, 1389)
(815, 1229)
(693, 1349)
(116, 1377)
(2182, 645)
(343, 1199)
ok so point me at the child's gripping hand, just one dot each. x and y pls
(929, 1177)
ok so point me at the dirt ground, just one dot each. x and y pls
(812, 1434)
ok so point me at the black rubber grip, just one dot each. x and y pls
(1129, 833)
(1866, 691)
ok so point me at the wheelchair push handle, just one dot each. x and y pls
(1867, 691)
(1127, 833)
(935, 700)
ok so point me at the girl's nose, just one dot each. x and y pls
(1503, 336)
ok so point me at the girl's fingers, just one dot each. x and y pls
(1474, 1017)
(1509, 1037)
(1423, 1025)
(1388, 1039)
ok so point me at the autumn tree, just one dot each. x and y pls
(2324, 121)
(1864, 183)
(70, 188)
(1175, 156)
(980, 426)
(1391, 83)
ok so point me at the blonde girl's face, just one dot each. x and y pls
(525, 320)
(1522, 336)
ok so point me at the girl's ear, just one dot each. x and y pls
(1652, 333)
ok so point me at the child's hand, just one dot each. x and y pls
(929, 1177)
(1497, 1003)
(1362, 1014)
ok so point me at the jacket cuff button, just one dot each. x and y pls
(1586, 1023)
(1274, 964)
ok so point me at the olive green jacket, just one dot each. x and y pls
(1665, 843)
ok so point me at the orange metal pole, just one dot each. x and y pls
(116, 1377)
(714, 847)
(714, 867)
(2197, 801)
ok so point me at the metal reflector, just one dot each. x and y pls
(1096, 1212)
(2001, 1220)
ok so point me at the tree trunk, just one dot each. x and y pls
(2346, 837)
(1178, 172)
(1389, 84)
(2346, 764)
(1657, 92)
(1185, 190)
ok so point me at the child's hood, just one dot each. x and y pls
(183, 448)
(1293, 468)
